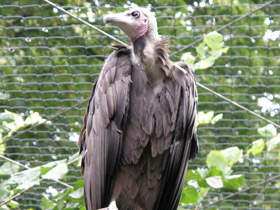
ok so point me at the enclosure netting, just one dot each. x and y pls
(48, 62)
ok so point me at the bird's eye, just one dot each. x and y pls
(135, 14)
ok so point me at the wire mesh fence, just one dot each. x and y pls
(48, 62)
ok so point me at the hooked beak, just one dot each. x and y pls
(116, 19)
(132, 27)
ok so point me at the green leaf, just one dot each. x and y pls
(47, 167)
(202, 172)
(2, 146)
(26, 178)
(188, 58)
(192, 175)
(217, 159)
(71, 206)
(35, 118)
(268, 130)
(73, 157)
(13, 204)
(201, 51)
(209, 50)
(202, 192)
(204, 118)
(214, 40)
(7, 116)
(190, 195)
(80, 183)
(257, 147)
(77, 193)
(57, 172)
(46, 203)
(76, 156)
(215, 182)
(9, 168)
(204, 63)
(216, 118)
(4, 192)
(224, 50)
(232, 154)
(234, 181)
(196, 178)
(272, 143)
(63, 193)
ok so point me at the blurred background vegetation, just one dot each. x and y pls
(48, 62)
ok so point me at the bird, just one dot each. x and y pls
(139, 128)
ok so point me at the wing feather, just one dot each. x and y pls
(184, 144)
(101, 136)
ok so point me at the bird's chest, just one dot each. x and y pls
(148, 103)
(150, 117)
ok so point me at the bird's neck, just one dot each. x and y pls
(144, 56)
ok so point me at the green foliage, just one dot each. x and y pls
(25, 179)
(208, 117)
(273, 143)
(208, 51)
(257, 147)
(219, 173)
(70, 198)
(56, 172)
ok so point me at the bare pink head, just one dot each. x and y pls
(135, 23)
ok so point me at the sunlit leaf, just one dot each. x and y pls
(13, 204)
(268, 130)
(216, 118)
(202, 192)
(80, 183)
(9, 168)
(201, 51)
(77, 193)
(47, 167)
(191, 175)
(26, 178)
(74, 157)
(202, 172)
(233, 182)
(232, 154)
(188, 58)
(57, 172)
(217, 159)
(46, 203)
(34, 118)
(257, 147)
(4, 192)
(2, 146)
(272, 143)
(71, 206)
(204, 117)
(214, 40)
(204, 64)
(6, 116)
(215, 181)
(190, 195)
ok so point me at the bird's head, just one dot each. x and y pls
(135, 23)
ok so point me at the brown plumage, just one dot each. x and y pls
(139, 127)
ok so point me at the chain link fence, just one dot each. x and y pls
(48, 62)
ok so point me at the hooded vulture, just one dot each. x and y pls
(139, 128)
